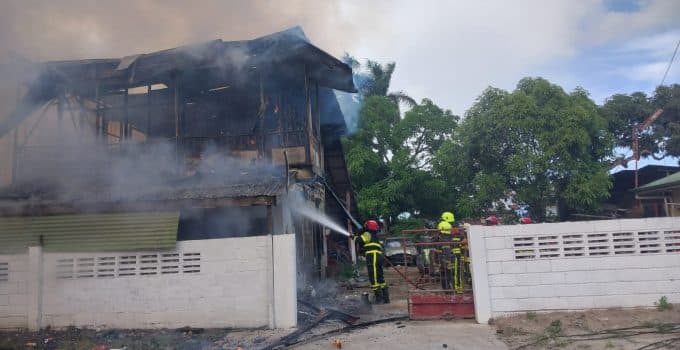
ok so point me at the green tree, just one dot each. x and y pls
(624, 112)
(389, 158)
(541, 143)
(667, 128)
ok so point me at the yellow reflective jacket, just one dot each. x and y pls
(444, 228)
(369, 243)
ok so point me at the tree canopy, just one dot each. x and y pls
(624, 111)
(537, 145)
(389, 157)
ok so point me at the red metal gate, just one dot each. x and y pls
(433, 296)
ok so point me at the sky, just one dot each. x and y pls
(448, 51)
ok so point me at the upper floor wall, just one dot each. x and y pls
(257, 101)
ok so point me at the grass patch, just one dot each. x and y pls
(663, 304)
(554, 329)
(531, 315)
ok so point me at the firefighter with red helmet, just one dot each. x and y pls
(370, 245)
(491, 221)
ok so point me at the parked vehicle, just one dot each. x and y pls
(398, 254)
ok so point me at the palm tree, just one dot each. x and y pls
(377, 81)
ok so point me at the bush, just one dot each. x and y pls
(554, 329)
(663, 304)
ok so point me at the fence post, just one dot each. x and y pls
(35, 285)
(285, 281)
(480, 275)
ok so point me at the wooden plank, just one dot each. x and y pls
(296, 155)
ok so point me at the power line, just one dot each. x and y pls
(670, 63)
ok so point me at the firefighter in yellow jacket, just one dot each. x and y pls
(369, 243)
(451, 255)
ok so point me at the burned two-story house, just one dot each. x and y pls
(160, 189)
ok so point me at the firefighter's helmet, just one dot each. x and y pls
(526, 220)
(371, 225)
(448, 217)
(444, 228)
(492, 220)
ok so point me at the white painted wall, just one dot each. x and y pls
(230, 285)
(14, 291)
(574, 266)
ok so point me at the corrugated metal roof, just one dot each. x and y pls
(668, 181)
(255, 182)
(271, 188)
(88, 233)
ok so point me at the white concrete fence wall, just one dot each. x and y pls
(14, 281)
(232, 282)
(574, 265)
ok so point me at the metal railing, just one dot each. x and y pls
(443, 264)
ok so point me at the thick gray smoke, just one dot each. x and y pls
(32, 31)
(70, 29)
(79, 170)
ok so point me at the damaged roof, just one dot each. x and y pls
(247, 187)
(244, 183)
(209, 63)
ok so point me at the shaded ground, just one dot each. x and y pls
(596, 329)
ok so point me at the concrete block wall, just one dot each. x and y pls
(13, 290)
(575, 266)
(202, 283)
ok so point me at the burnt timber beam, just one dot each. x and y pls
(98, 122)
(176, 106)
(147, 130)
(60, 117)
(308, 119)
(125, 125)
(35, 126)
(15, 141)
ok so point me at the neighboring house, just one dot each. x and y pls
(157, 190)
(665, 190)
(623, 196)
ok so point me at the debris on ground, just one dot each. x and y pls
(629, 329)
(132, 339)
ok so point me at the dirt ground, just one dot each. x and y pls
(596, 329)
